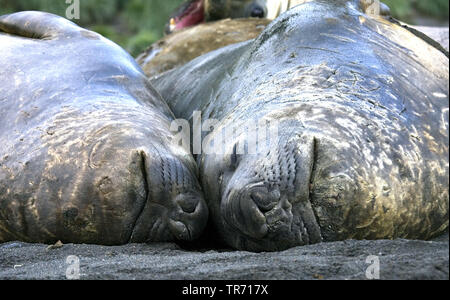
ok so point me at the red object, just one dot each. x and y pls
(193, 15)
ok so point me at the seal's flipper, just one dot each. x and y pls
(36, 25)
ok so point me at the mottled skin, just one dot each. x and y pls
(362, 150)
(182, 46)
(86, 154)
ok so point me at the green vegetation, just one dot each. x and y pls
(135, 24)
(408, 10)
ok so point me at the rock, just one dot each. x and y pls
(57, 245)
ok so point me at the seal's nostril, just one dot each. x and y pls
(257, 12)
(263, 201)
(187, 204)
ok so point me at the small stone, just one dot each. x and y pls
(318, 277)
(57, 245)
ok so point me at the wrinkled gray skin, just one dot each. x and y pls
(362, 149)
(86, 155)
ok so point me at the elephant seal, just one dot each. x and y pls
(439, 34)
(361, 152)
(183, 46)
(87, 155)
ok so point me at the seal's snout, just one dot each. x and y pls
(280, 216)
(264, 219)
(188, 204)
(189, 216)
(267, 199)
(175, 208)
(174, 187)
(277, 211)
(263, 199)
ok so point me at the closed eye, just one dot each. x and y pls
(234, 157)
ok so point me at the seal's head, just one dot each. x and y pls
(262, 199)
(141, 184)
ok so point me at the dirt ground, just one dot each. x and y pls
(399, 259)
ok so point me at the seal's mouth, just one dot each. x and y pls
(189, 14)
(268, 221)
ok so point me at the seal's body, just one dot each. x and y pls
(362, 145)
(86, 154)
(185, 44)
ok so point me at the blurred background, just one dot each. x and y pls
(135, 24)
